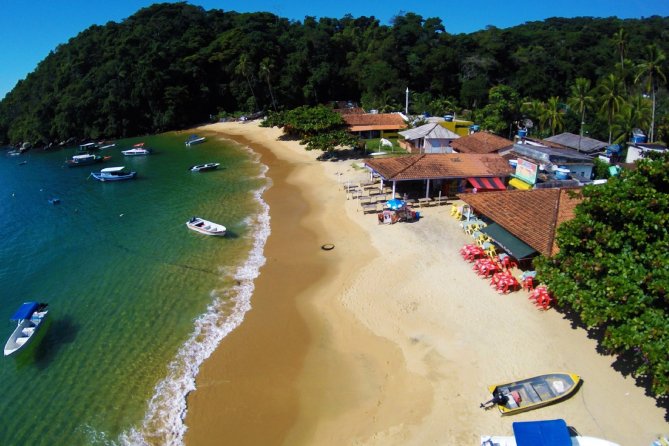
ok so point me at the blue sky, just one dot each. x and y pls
(31, 29)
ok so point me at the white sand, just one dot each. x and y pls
(405, 344)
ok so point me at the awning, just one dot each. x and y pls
(487, 183)
(509, 242)
(519, 184)
(541, 433)
(25, 311)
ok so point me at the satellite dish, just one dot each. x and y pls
(527, 123)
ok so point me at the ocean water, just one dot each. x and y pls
(137, 301)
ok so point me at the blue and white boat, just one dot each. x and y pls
(544, 433)
(30, 317)
(113, 174)
(194, 139)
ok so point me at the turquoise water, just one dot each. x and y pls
(137, 301)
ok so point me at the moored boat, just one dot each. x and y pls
(86, 159)
(532, 393)
(205, 227)
(204, 167)
(113, 174)
(544, 433)
(137, 150)
(194, 139)
(29, 317)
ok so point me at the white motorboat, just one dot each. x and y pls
(194, 139)
(204, 167)
(544, 433)
(30, 317)
(205, 227)
(137, 150)
(113, 174)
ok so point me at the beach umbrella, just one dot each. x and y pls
(395, 204)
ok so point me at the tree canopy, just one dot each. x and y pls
(173, 65)
(318, 127)
(612, 266)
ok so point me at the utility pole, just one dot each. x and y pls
(406, 107)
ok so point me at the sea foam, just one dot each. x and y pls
(164, 420)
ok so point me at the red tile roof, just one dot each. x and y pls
(442, 165)
(374, 121)
(531, 215)
(481, 142)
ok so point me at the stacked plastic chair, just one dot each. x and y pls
(542, 297)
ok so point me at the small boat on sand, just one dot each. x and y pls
(532, 393)
(113, 174)
(194, 139)
(544, 433)
(30, 317)
(204, 167)
(205, 227)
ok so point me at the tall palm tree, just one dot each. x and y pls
(266, 71)
(243, 67)
(554, 114)
(651, 72)
(610, 99)
(581, 98)
(620, 41)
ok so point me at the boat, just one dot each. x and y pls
(532, 393)
(113, 174)
(204, 167)
(544, 433)
(137, 150)
(86, 159)
(88, 147)
(194, 139)
(30, 317)
(205, 227)
(54, 200)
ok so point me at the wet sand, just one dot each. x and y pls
(388, 339)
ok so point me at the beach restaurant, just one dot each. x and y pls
(524, 223)
(442, 174)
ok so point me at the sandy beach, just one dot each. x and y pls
(390, 338)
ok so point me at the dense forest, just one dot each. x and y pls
(173, 65)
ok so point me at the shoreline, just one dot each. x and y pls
(390, 338)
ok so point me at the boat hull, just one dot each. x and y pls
(25, 333)
(535, 392)
(204, 167)
(206, 227)
(99, 177)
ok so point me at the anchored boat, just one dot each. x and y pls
(205, 227)
(194, 139)
(204, 167)
(113, 174)
(30, 317)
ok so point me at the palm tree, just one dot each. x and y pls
(619, 40)
(266, 70)
(610, 98)
(243, 68)
(581, 99)
(633, 114)
(553, 113)
(651, 71)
